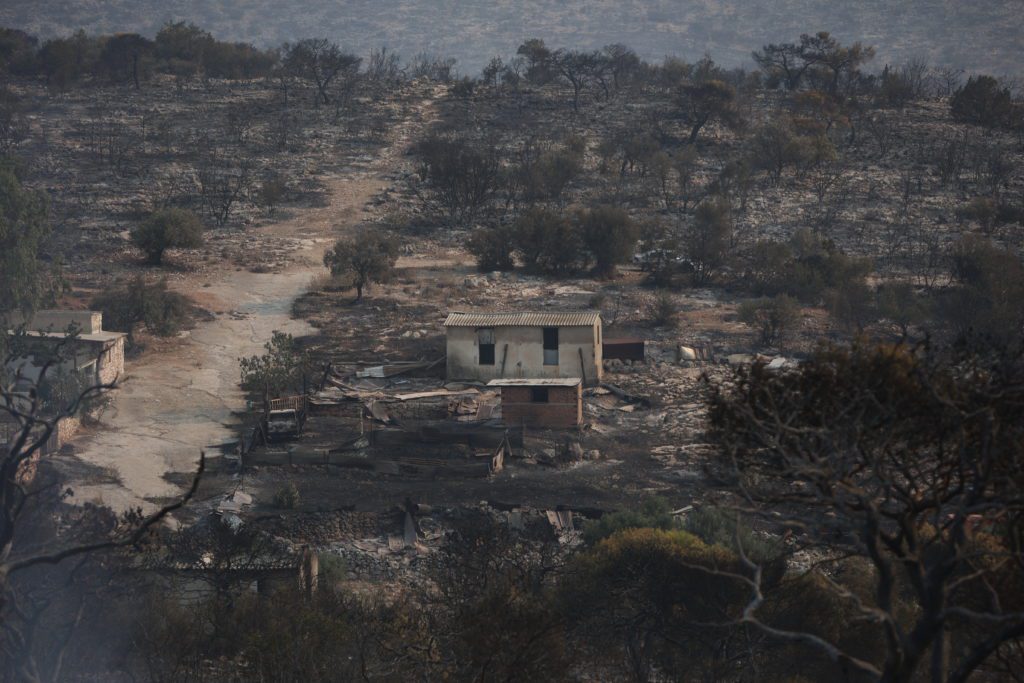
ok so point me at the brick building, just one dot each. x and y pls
(541, 403)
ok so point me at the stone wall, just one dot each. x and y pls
(112, 362)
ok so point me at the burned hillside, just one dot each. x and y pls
(329, 366)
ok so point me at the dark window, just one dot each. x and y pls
(485, 338)
(539, 394)
(550, 346)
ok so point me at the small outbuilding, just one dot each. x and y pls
(486, 346)
(624, 348)
(91, 351)
(541, 403)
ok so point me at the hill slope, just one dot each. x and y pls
(946, 32)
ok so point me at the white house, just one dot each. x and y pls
(486, 346)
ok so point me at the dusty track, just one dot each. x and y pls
(172, 405)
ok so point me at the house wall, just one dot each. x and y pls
(525, 358)
(89, 322)
(112, 362)
(563, 410)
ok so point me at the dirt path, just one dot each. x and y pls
(173, 405)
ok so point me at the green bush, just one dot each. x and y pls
(983, 100)
(282, 369)
(287, 497)
(548, 242)
(772, 317)
(272, 192)
(163, 312)
(900, 304)
(664, 312)
(493, 248)
(368, 257)
(168, 229)
(653, 513)
(707, 244)
(717, 526)
(546, 177)
(991, 288)
(609, 235)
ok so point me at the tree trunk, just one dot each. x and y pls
(695, 131)
(940, 652)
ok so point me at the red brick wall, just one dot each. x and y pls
(563, 410)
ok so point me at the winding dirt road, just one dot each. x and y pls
(172, 405)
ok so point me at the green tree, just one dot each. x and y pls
(283, 369)
(644, 599)
(24, 279)
(493, 248)
(900, 304)
(990, 289)
(462, 175)
(539, 58)
(772, 317)
(322, 62)
(17, 51)
(907, 460)
(706, 102)
(707, 243)
(982, 101)
(125, 57)
(182, 46)
(161, 310)
(609, 234)
(64, 61)
(548, 241)
(776, 146)
(366, 258)
(168, 229)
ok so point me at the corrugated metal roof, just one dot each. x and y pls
(524, 319)
(537, 382)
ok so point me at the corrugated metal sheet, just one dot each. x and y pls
(525, 319)
(538, 382)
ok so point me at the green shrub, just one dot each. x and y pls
(493, 248)
(716, 526)
(272, 192)
(282, 369)
(168, 229)
(548, 242)
(163, 312)
(654, 513)
(773, 317)
(609, 235)
(663, 311)
(983, 100)
(287, 497)
(368, 257)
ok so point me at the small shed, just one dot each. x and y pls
(624, 348)
(548, 403)
(92, 351)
